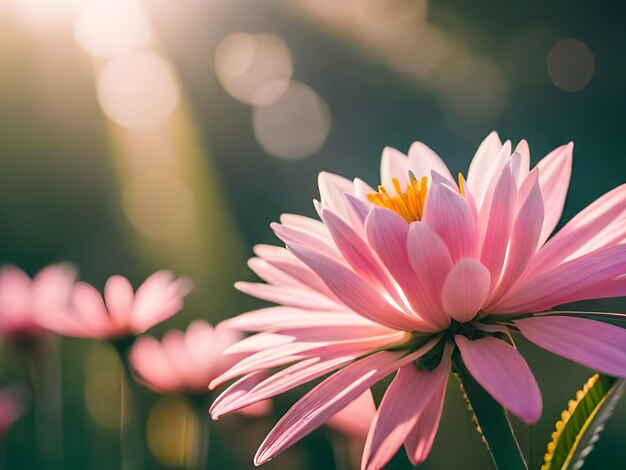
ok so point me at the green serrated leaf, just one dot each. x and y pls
(491, 420)
(581, 423)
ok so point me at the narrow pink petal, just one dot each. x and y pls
(449, 215)
(240, 395)
(524, 238)
(488, 156)
(52, 286)
(305, 224)
(88, 307)
(119, 296)
(332, 188)
(555, 170)
(233, 393)
(388, 233)
(431, 262)
(599, 225)
(503, 372)
(258, 342)
(330, 396)
(290, 296)
(466, 289)
(357, 210)
(154, 368)
(358, 254)
(423, 160)
(290, 235)
(567, 282)
(520, 162)
(594, 344)
(356, 418)
(361, 297)
(496, 221)
(288, 317)
(420, 439)
(403, 403)
(361, 189)
(394, 164)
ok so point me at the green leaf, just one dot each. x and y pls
(491, 420)
(582, 422)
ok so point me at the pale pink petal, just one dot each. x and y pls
(388, 233)
(119, 297)
(52, 287)
(257, 409)
(449, 215)
(358, 254)
(465, 290)
(404, 401)
(173, 344)
(15, 300)
(290, 235)
(357, 211)
(332, 395)
(357, 294)
(503, 372)
(289, 296)
(258, 342)
(431, 262)
(566, 282)
(332, 188)
(420, 439)
(306, 224)
(355, 419)
(496, 221)
(520, 162)
(599, 225)
(361, 189)
(154, 368)
(485, 164)
(272, 275)
(594, 344)
(88, 308)
(394, 164)
(555, 170)
(286, 379)
(423, 160)
(224, 402)
(524, 239)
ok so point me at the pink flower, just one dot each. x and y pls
(428, 266)
(187, 362)
(122, 312)
(23, 300)
(12, 406)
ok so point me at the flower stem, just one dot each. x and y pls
(199, 451)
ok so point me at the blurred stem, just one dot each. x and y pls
(131, 442)
(341, 451)
(44, 375)
(199, 451)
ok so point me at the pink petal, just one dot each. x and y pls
(149, 361)
(420, 439)
(119, 296)
(524, 238)
(520, 162)
(290, 235)
(594, 344)
(449, 215)
(465, 290)
(290, 296)
(503, 372)
(355, 419)
(332, 188)
(423, 161)
(357, 211)
(405, 399)
(394, 164)
(330, 396)
(488, 157)
(431, 262)
(361, 297)
(388, 233)
(567, 282)
(555, 170)
(224, 402)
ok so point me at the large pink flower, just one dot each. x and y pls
(122, 312)
(23, 300)
(399, 278)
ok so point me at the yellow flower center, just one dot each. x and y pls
(408, 203)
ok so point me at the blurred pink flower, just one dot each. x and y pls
(425, 265)
(12, 406)
(121, 312)
(187, 362)
(23, 300)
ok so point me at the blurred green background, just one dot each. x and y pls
(141, 135)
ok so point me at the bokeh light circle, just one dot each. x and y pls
(255, 69)
(295, 126)
(110, 28)
(571, 64)
(138, 91)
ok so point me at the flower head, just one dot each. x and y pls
(23, 300)
(121, 312)
(402, 278)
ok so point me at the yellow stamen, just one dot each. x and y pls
(461, 185)
(408, 203)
